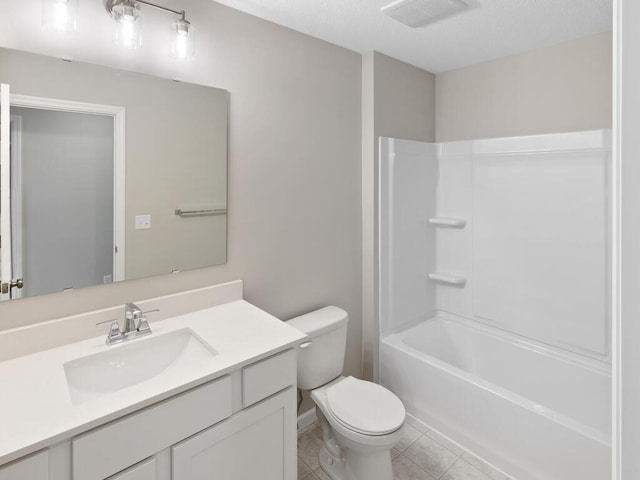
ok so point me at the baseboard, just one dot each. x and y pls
(306, 419)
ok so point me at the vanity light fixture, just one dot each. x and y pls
(183, 45)
(128, 16)
(60, 15)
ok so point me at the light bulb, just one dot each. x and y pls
(181, 45)
(129, 29)
(128, 34)
(59, 15)
(183, 40)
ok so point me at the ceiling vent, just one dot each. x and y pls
(417, 13)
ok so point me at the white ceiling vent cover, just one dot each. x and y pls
(417, 13)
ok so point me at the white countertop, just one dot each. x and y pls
(35, 405)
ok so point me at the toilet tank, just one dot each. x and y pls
(321, 356)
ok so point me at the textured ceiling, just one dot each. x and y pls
(489, 30)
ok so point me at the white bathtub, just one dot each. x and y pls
(533, 412)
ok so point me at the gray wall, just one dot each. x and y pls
(67, 199)
(294, 177)
(397, 101)
(562, 88)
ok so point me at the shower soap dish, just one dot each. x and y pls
(448, 222)
(449, 278)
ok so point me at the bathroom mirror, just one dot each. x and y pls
(115, 175)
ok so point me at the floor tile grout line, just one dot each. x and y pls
(444, 446)
(300, 459)
(450, 467)
(458, 456)
(417, 465)
(407, 447)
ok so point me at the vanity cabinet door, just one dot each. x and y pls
(145, 470)
(33, 467)
(111, 448)
(258, 442)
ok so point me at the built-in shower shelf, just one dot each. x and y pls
(448, 278)
(448, 222)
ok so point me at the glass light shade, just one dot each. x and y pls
(60, 15)
(183, 44)
(129, 24)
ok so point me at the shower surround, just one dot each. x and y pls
(494, 296)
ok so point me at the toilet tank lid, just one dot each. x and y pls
(320, 321)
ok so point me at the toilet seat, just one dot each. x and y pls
(365, 407)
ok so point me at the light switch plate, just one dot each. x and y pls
(143, 222)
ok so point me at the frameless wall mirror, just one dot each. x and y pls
(106, 175)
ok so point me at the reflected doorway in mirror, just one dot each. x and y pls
(67, 187)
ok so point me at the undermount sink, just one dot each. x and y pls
(134, 362)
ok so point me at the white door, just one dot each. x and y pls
(6, 274)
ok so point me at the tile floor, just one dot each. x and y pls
(422, 454)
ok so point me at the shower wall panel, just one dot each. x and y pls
(528, 253)
(540, 244)
(409, 171)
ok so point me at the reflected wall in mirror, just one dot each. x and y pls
(116, 175)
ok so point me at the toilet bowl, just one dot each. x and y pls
(361, 421)
(358, 433)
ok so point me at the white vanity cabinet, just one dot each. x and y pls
(111, 448)
(239, 426)
(210, 394)
(255, 443)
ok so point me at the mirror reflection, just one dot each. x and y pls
(110, 175)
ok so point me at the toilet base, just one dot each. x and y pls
(357, 466)
(350, 455)
(332, 466)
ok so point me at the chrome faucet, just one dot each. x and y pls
(132, 316)
(135, 325)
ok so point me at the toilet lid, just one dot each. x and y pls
(365, 407)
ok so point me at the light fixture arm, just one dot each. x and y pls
(160, 7)
(110, 4)
(128, 15)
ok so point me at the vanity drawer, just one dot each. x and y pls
(268, 376)
(115, 446)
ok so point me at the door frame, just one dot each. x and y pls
(15, 158)
(118, 115)
(5, 194)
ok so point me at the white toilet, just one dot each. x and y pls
(360, 420)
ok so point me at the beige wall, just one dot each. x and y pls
(294, 178)
(557, 89)
(397, 101)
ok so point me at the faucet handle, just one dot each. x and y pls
(143, 326)
(114, 331)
